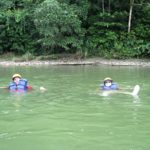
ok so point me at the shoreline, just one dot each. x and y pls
(87, 61)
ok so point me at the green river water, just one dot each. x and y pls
(72, 114)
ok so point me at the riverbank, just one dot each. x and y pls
(88, 61)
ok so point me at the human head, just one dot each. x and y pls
(16, 78)
(108, 81)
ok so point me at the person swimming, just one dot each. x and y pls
(18, 83)
(108, 84)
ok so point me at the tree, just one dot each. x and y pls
(58, 25)
(15, 19)
(130, 15)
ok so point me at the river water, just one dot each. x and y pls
(72, 114)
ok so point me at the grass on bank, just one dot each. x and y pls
(29, 57)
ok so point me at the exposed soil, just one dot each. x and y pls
(88, 61)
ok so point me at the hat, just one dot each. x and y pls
(108, 79)
(16, 75)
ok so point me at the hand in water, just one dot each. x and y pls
(42, 89)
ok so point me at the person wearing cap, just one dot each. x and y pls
(16, 78)
(18, 83)
(109, 84)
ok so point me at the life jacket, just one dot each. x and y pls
(22, 85)
(114, 86)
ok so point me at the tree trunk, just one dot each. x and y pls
(103, 6)
(109, 6)
(130, 15)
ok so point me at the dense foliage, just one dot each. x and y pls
(110, 28)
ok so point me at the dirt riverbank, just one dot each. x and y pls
(89, 61)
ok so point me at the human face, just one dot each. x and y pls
(108, 83)
(16, 80)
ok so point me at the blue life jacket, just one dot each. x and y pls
(114, 86)
(22, 85)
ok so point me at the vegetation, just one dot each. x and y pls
(110, 28)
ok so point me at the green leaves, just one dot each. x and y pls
(90, 27)
(59, 23)
(14, 18)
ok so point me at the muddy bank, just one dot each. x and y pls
(90, 61)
